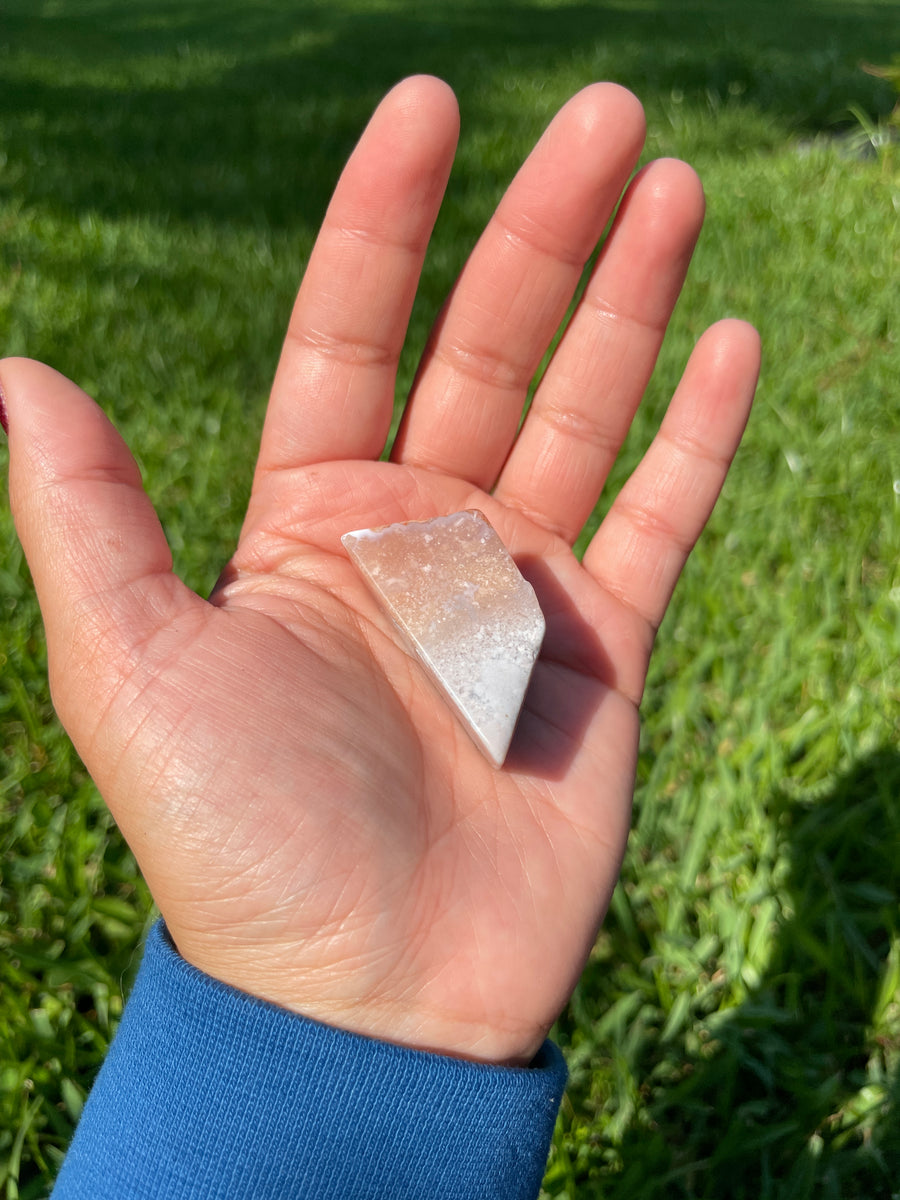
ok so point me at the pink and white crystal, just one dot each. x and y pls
(452, 589)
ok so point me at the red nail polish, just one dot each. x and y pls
(4, 420)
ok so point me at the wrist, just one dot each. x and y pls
(340, 998)
(208, 1091)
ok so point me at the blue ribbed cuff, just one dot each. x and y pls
(209, 1093)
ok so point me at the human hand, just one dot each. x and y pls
(314, 824)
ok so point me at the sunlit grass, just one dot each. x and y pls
(163, 169)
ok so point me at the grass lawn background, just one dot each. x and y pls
(163, 169)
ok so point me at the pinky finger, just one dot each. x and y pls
(642, 545)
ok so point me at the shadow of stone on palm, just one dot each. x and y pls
(572, 678)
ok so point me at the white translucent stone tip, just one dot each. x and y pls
(453, 590)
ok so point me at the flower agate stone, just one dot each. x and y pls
(453, 590)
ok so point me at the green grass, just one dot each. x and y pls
(163, 168)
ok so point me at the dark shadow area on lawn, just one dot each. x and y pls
(770, 1109)
(244, 113)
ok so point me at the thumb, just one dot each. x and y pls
(95, 547)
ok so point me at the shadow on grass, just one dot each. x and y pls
(796, 1093)
(244, 113)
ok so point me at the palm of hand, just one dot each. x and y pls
(362, 862)
(313, 822)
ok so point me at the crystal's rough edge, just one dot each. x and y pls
(453, 590)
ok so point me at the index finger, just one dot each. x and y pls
(333, 393)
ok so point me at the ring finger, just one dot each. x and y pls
(587, 398)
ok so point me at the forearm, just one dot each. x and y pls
(208, 1093)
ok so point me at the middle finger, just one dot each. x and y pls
(513, 292)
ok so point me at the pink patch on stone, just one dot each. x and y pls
(452, 589)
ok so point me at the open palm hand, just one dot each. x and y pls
(315, 825)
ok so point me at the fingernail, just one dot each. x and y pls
(4, 419)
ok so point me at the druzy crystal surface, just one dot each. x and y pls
(454, 592)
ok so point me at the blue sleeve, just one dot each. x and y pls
(209, 1093)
